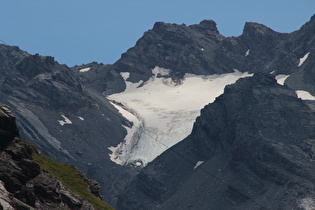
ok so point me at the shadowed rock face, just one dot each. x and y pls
(8, 129)
(257, 143)
(23, 185)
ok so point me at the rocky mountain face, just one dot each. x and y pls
(71, 122)
(201, 49)
(256, 143)
(65, 112)
(23, 183)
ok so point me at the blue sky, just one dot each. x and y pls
(77, 31)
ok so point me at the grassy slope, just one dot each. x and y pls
(69, 176)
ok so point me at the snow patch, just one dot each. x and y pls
(85, 69)
(304, 95)
(307, 203)
(125, 75)
(81, 118)
(303, 59)
(198, 164)
(64, 121)
(163, 112)
(247, 53)
(281, 78)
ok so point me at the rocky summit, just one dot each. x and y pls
(250, 148)
(253, 148)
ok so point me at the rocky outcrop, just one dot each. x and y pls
(255, 146)
(23, 184)
(100, 77)
(8, 129)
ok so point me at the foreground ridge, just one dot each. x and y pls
(28, 177)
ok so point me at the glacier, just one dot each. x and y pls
(163, 112)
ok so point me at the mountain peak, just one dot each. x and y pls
(252, 29)
(310, 25)
(209, 25)
(203, 26)
(206, 27)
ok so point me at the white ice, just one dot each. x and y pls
(303, 59)
(198, 164)
(81, 118)
(85, 69)
(281, 78)
(64, 121)
(163, 111)
(130, 139)
(304, 95)
(247, 53)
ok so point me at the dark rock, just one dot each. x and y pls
(8, 128)
(95, 188)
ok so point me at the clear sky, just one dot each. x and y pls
(82, 31)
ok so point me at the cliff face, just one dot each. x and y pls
(256, 143)
(23, 183)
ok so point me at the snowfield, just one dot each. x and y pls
(303, 59)
(198, 164)
(163, 112)
(85, 70)
(304, 95)
(64, 121)
(281, 78)
(247, 53)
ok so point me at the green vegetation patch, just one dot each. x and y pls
(69, 176)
